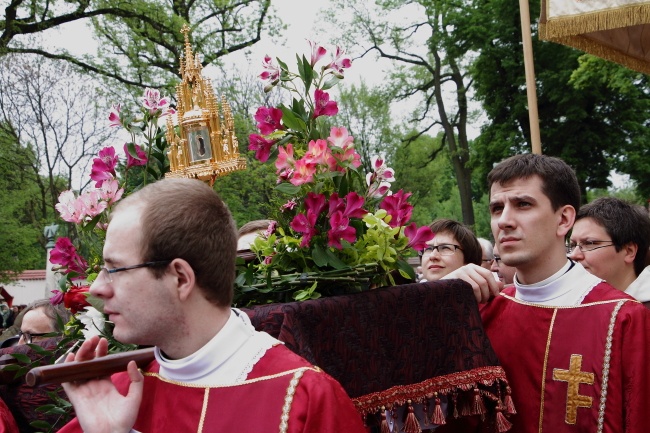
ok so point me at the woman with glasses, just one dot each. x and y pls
(41, 319)
(453, 246)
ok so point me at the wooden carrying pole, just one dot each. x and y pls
(531, 86)
(86, 370)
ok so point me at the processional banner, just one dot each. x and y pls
(615, 30)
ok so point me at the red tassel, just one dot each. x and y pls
(425, 407)
(384, 424)
(411, 424)
(438, 417)
(478, 408)
(503, 425)
(455, 400)
(510, 406)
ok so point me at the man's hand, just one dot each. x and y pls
(481, 280)
(99, 406)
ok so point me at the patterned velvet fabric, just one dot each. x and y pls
(394, 344)
(23, 400)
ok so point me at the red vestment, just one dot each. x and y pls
(283, 393)
(584, 368)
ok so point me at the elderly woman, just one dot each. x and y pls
(453, 246)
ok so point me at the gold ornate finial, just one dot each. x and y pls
(206, 146)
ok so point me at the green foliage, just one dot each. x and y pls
(139, 41)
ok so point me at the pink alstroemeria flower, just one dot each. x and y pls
(152, 100)
(57, 297)
(398, 207)
(418, 237)
(318, 152)
(305, 224)
(304, 172)
(110, 191)
(350, 207)
(131, 161)
(322, 104)
(268, 119)
(69, 208)
(104, 167)
(340, 229)
(262, 146)
(285, 159)
(290, 205)
(340, 138)
(92, 203)
(376, 190)
(65, 254)
(114, 116)
(339, 63)
(271, 71)
(317, 52)
(315, 202)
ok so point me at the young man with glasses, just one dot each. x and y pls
(575, 349)
(610, 238)
(453, 246)
(167, 282)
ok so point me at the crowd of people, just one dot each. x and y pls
(561, 292)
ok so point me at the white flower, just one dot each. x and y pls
(93, 321)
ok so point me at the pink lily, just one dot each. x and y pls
(261, 146)
(289, 205)
(114, 116)
(322, 104)
(317, 53)
(104, 167)
(339, 63)
(271, 71)
(268, 119)
(318, 152)
(340, 229)
(340, 138)
(65, 254)
(285, 158)
(131, 161)
(152, 100)
(304, 172)
(69, 209)
(398, 208)
(418, 237)
(110, 191)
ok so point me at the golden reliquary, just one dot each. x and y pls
(205, 145)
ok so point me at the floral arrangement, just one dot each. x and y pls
(336, 229)
(90, 212)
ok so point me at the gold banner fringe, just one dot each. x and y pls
(590, 46)
(554, 28)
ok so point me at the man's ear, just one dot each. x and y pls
(630, 252)
(566, 218)
(185, 278)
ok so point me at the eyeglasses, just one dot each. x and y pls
(443, 249)
(29, 337)
(587, 246)
(496, 259)
(105, 273)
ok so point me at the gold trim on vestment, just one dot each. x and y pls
(548, 346)
(565, 307)
(606, 360)
(245, 382)
(288, 400)
(204, 410)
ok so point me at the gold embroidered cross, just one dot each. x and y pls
(574, 377)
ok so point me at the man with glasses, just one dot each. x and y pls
(610, 238)
(574, 348)
(167, 282)
(42, 320)
(505, 273)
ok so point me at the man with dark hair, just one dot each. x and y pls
(42, 318)
(168, 282)
(610, 238)
(574, 348)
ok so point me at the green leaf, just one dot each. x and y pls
(405, 269)
(91, 224)
(320, 256)
(40, 425)
(130, 147)
(292, 121)
(23, 359)
(288, 188)
(334, 261)
(306, 72)
(330, 83)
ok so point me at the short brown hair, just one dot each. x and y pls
(185, 218)
(57, 314)
(559, 181)
(472, 252)
(254, 227)
(624, 222)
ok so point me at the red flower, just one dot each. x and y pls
(261, 146)
(65, 254)
(104, 167)
(418, 237)
(268, 119)
(398, 208)
(323, 106)
(131, 161)
(74, 298)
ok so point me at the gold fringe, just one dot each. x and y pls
(592, 47)
(605, 19)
